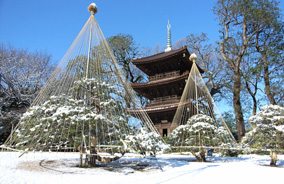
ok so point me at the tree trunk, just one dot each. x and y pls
(201, 157)
(90, 160)
(266, 80)
(254, 105)
(252, 96)
(273, 156)
(237, 105)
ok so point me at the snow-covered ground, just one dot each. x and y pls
(167, 168)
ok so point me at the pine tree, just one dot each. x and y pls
(267, 131)
(199, 132)
(58, 122)
(146, 141)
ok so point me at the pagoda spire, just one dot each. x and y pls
(169, 41)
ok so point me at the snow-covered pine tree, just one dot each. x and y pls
(146, 141)
(267, 130)
(61, 118)
(199, 132)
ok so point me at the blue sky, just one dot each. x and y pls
(52, 25)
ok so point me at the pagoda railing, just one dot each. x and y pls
(165, 75)
(164, 100)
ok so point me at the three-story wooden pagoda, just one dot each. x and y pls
(167, 74)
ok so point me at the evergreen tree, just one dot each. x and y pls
(200, 131)
(146, 141)
(58, 122)
(267, 130)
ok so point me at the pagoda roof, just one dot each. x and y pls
(145, 63)
(160, 56)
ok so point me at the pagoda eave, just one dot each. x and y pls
(155, 109)
(161, 112)
(150, 64)
(160, 56)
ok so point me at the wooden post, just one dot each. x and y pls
(273, 156)
(80, 149)
(81, 160)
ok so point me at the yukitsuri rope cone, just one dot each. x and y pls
(198, 124)
(82, 107)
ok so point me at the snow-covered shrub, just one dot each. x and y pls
(145, 141)
(229, 149)
(226, 148)
(267, 130)
(199, 131)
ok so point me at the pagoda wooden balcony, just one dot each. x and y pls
(149, 89)
(166, 75)
(164, 100)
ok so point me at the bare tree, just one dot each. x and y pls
(251, 73)
(22, 74)
(180, 43)
(215, 76)
(146, 51)
(157, 49)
